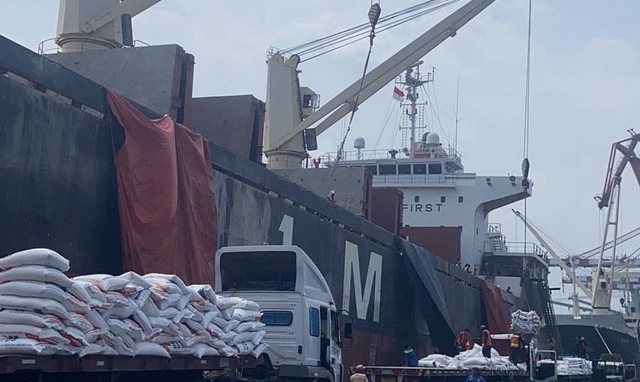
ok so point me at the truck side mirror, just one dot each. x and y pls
(348, 330)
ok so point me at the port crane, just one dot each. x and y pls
(610, 199)
(292, 118)
(97, 25)
(291, 111)
(601, 285)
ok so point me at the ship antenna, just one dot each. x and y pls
(455, 137)
(456, 117)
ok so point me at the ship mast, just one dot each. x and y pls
(413, 112)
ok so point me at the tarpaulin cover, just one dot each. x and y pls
(165, 196)
(498, 319)
(418, 260)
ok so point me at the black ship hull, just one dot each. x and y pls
(57, 181)
(604, 334)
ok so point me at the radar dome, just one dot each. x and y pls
(433, 139)
(358, 143)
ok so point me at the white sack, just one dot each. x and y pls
(33, 304)
(203, 350)
(25, 346)
(35, 273)
(31, 318)
(36, 256)
(149, 348)
(33, 289)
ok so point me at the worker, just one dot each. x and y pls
(576, 347)
(487, 345)
(475, 376)
(517, 345)
(410, 357)
(463, 341)
(552, 343)
(359, 375)
(583, 347)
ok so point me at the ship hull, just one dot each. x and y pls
(604, 334)
(57, 179)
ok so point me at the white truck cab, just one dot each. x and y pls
(303, 331)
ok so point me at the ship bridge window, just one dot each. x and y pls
(261, 270)
(420, 169)
(306, 101)
(404, 169)
(435, 168)
(387, 169)
(372, 169)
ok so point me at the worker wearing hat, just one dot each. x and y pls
(359, 375)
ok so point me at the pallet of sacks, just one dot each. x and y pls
(525, 322)
(44, 312)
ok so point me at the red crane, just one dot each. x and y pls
(601, 285)
(614, 173)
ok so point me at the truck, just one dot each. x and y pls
(302, 321)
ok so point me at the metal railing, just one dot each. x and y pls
(49, 46)
(527, 248)
(376, 154)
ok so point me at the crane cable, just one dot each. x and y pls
(525, 148)
(351, 35)
(374, 15)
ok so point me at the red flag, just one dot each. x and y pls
(398, 94)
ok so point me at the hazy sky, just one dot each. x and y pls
(585, 84)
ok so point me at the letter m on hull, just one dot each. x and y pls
(371, 286)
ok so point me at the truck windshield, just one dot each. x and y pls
(262, 270)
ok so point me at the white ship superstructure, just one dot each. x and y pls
(438, 193)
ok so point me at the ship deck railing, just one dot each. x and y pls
(385, 154)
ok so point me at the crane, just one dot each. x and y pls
(611, 195)
(97, 25)
(570, 271)
(291, 113)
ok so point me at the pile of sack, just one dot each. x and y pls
(42, 311)
(525, 322)
(574, 366)
(468, 360)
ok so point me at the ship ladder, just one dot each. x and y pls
(548, 313)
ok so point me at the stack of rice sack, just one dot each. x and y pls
(468, 360)
(525, 322)
(574, 366)
(45, 312)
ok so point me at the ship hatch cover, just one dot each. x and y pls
(418, 262)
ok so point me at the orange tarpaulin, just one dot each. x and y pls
(165, 196)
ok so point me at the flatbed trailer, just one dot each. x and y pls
(99, 368)
(411, 374)
(414, 374)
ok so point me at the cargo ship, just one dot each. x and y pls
(397, 272)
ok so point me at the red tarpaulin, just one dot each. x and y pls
(165, 196)
(498, 320)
